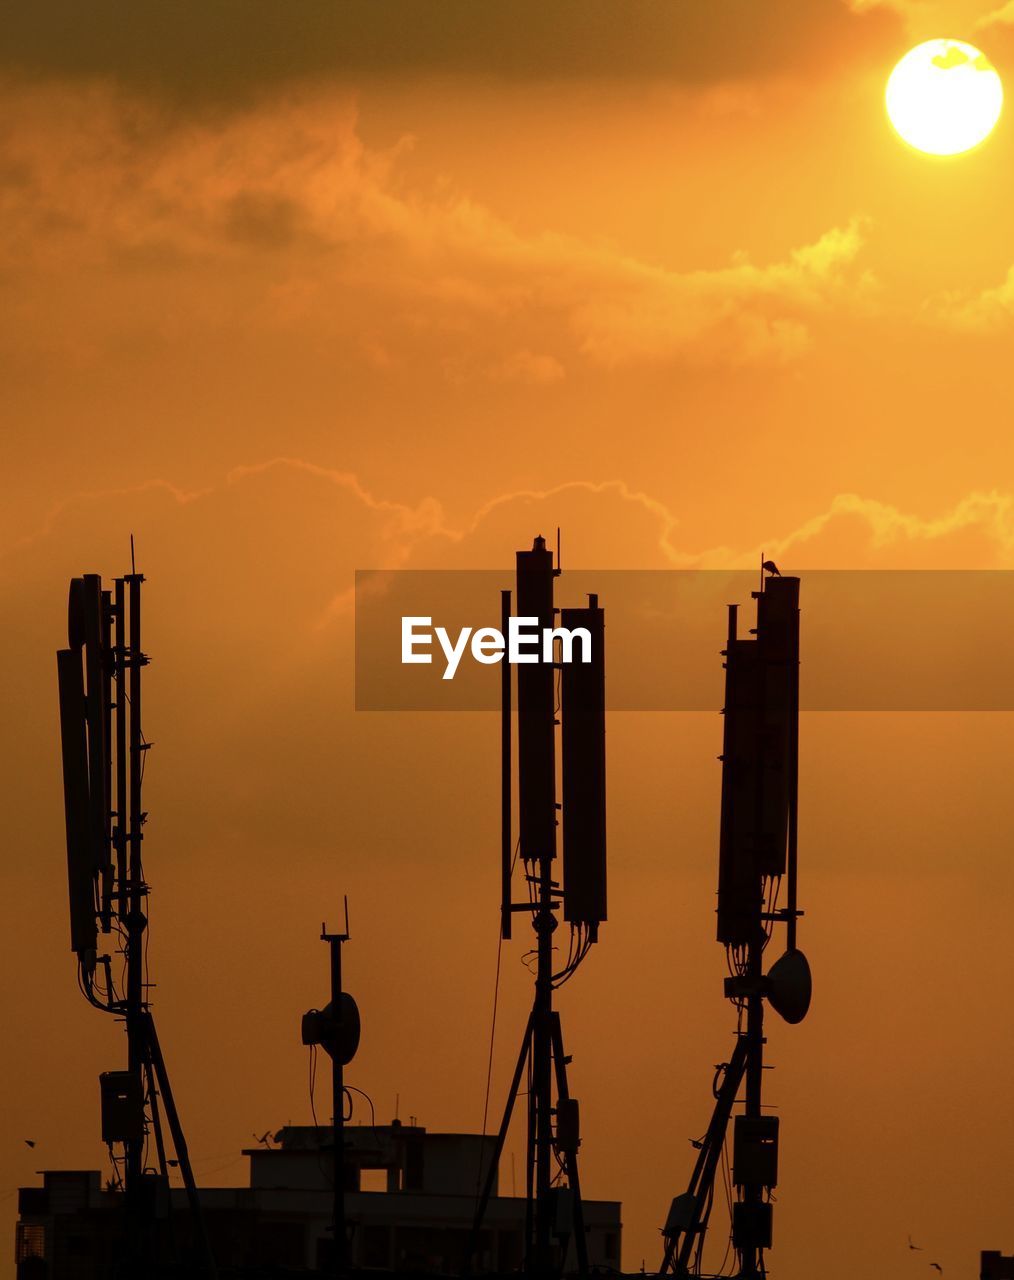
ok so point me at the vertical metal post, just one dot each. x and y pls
(122, 800)
(135, 922)
(752, 1193)
(338, 1223)
(108, 883)
(542, 1070)
(338, 1120)
(506, 851)
(153, 1052)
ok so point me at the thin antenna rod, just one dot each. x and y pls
(136, 1038)
(506, 835)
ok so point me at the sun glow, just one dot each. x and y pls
(944, 97)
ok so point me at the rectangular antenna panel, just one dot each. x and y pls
(583, 708)
(536, 713)
(758, 759)
(97, 709)
(80, 867)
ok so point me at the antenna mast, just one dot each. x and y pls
(104, 751)
(758, 847)
(582, 894)
(335, 1028)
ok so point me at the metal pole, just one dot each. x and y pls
(506, 852)
(122, 800)
(146, 1026)
(135, 923)
(570, 1156)
(338, 1116)
(752, 1193)
(545, 923)
(703, 1179)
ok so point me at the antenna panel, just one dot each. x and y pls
(758, 759)
(536, 712)
(583, 706)
(83, 930)
(778, 642)
(97, 695)
(76, 613)
(739, 886)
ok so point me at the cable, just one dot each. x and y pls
(328, 1178)
(492, 1029)
(313, 1081)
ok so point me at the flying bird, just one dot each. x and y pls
(29, 1142)
(914, 1246)
(769, 566)
(937, 1267)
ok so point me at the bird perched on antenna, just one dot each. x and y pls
(769, 566)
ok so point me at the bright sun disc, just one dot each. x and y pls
(944, 97)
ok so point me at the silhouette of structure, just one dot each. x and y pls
(993, 1265)
(409, 1196)
(336, 1029)
(104, 751)
(308, 1205)
(555, 1216)
(758, 851)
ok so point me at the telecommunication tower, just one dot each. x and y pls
(336, 1029)
(554, 1216)
(104, 752)
(757, 854)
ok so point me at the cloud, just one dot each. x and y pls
(221, 50)
(533, 368)
(744, 312)
(310, 229)
(989, 311)
(976, 532)
(1002, 17)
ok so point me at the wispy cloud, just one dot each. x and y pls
(289, 199)
(1002, 17)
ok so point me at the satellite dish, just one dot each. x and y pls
(339, 1038)
(346, 1041)
(790, 986)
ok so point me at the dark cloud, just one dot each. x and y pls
(197, 48)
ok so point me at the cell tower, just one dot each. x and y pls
(757, 853)
(104, 751)
(554, 1215)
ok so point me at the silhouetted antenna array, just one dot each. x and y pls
(104, 752)
(555, 1215)
(757, 855)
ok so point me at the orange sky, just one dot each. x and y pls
(401, 286)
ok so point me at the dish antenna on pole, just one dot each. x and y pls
(757, 853)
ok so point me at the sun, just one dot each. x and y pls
(944, 97)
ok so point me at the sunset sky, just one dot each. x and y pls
(291, 290)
